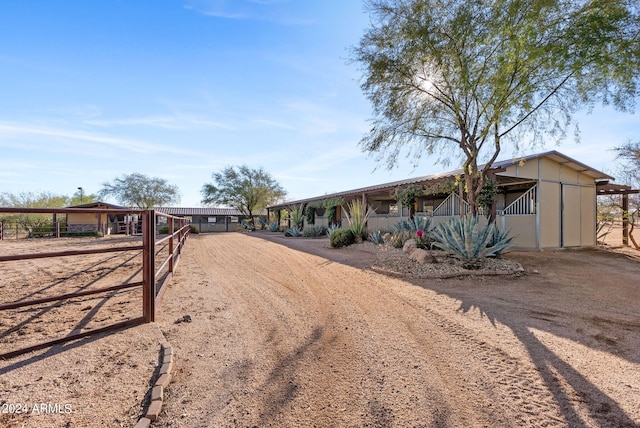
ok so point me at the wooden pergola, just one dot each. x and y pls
(608, 188)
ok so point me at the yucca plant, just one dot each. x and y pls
(357, 215)
(470, 241)
(296, 214)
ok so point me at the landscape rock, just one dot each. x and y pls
(409, 246)
(419, 255)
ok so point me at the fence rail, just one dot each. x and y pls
(154, 277)
(524, 205)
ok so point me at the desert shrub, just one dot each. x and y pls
(274, 227)
(376, 237)
(469, 241)
(96, 233)
(398, 238)
(293, 232)
(193, 229)
(313, 231)
(341, 238)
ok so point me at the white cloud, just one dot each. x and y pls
(10, 132)
(165, 122)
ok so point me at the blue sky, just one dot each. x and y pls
(179, 89)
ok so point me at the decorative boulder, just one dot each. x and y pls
(409, 246)
(419, 255)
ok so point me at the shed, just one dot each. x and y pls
(546, 200)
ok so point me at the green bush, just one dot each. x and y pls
(314, 231)
(96, 233)
(341, 238)
(193, 229)
(469, 241)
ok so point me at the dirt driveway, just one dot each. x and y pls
(295, 336)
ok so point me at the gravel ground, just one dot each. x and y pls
(287, 332)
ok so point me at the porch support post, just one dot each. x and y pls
(625, 219)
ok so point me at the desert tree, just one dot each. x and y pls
(460, 79)
(30, 222)
(141, 191)
(245, 189)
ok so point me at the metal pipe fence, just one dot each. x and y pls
(156, 274)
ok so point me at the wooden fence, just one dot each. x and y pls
(156, 273)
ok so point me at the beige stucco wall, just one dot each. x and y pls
(521, 227)
(85, 218)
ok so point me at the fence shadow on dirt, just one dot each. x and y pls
(523, 318)
(150, 261)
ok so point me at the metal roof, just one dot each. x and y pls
(181, 212)
(554, 155)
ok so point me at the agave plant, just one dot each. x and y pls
(332, 228)
(376, 237)
(414, 224)
(293, 232)
(357, 215)
(470, 241)
(274, 226)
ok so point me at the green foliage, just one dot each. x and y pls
(603, 228)
(314, 231)
(377, 237)
(293, 232)
(193, 229)
(462, 79)
(246, 190)
(95, 233)
(296, 214)
(469, 241)
(407, 195)
(341, 238)
(487, 195)
(441, 187)
(139, 190)
(30, 222)
(274, 226)
(331, 215)
(357, 215)
(310, 214)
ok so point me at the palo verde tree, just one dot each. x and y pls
(30, 222)
(245, 189)
(139, 190)
(465, 77)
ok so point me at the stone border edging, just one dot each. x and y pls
(465, 272)
(157, 390)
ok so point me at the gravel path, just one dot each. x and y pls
(298, 337)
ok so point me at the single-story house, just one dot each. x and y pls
(546, 200)
(209, 219)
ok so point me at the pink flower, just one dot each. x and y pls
(419, 233)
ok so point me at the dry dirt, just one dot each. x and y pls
(288, 332)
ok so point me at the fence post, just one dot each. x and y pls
(148, 266)
(1, 231)
(171, 234)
